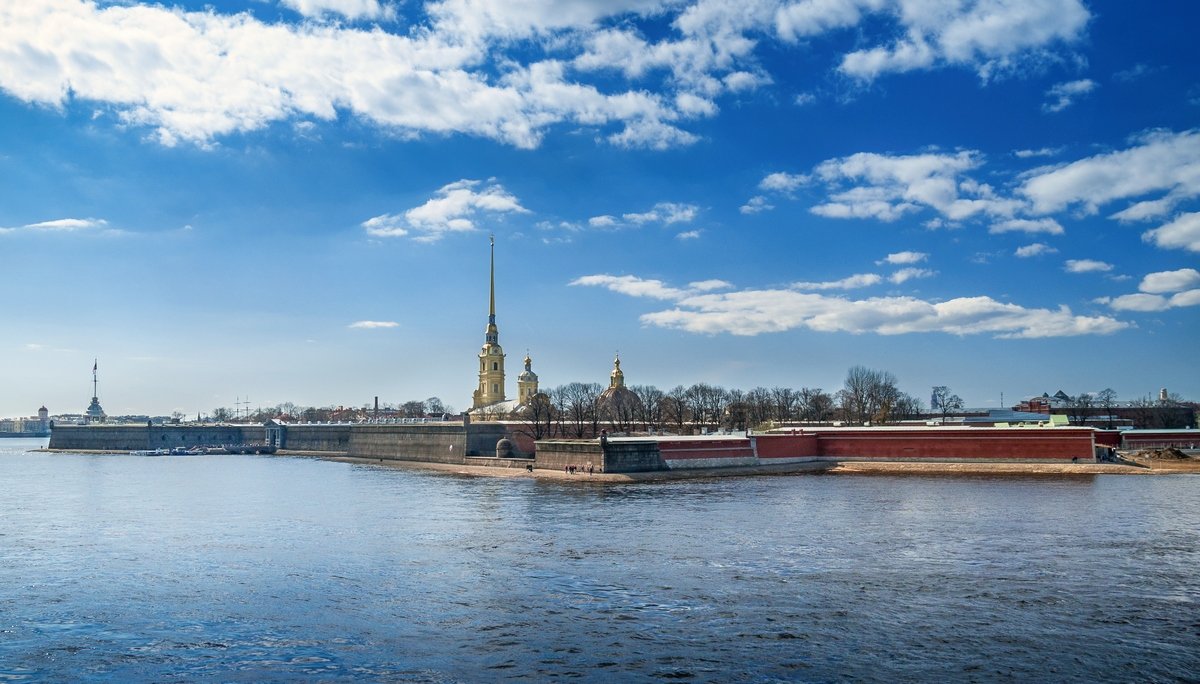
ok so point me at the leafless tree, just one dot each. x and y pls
(1080, 408)
(1106, 399)
(675, 408)
(578, 403)
(945, 402)
(651, 410)
(786, 400)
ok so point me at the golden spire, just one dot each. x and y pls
(492, 285)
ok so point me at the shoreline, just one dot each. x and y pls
(847, 467)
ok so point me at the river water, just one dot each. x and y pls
(246, 568)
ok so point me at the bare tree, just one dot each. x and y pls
(945, 402)
(760, 406)
(1079, 408)
(675, 408)
(786, 400)
(651, 410)
(868, 395)
(537, 417)
(1107, 400)
(579, 406)
(413, 409)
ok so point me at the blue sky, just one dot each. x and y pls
(290, 200)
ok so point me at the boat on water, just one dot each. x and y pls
(150, 452)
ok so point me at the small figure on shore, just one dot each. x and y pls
(591, 469)
(529, 467)
(566, 469)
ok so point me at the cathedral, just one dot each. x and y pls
(489, 396)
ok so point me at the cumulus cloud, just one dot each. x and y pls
(1154, 302)
(1182, 233)
(454, 208)
(886, 187)
(508, 71)
(642, 287)
(754, 312)
(906, 257)
(1063, 95)
(1170, 281)
(1158, 162)
(351, 9)
(906, 274)
(991, 36)
(1035, 249)
(782, 182)
(848, 283)
(1086, 266)
(755, 205)
(373, 325)
(665, 213)
(604, 221)
(1042, 225)
(688, 235)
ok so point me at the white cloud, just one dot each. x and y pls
(1155, 302)
(373, 325)
(990, 35)
(604, 221)
(907, 274)
(782, 182)
(65, 225)
(906, 257)
(804, 99)
(1139, 302)
(1182, 233)
(453, 209)
(1086, 266)
(1035, 249)
(1170, 281)
(688, 235)
(753, 312)
(848, 283)
(1159, 162)
(1042, 225)
(351, 9)
(755, 205)
(887, 187)
(1040, 152)
(666, 213)
(504, 70)
(1063, 95)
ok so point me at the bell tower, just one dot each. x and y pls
(491, 357)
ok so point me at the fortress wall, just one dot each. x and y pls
(482, 438)
(430, 443)
(707, 453)
(619, 457)
(785, 448)
(332, 438)
(101, 437)
(1039, 445)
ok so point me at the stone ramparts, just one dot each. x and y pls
(103, 437)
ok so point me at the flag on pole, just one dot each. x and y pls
(95, 365)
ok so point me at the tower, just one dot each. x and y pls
(43, 419)
(95, 414)
(527, 382)
(491, 356)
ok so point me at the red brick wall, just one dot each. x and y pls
(983, 444)
(786, 446)
(705, 448)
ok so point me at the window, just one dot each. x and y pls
(495, 366)
(495, 388)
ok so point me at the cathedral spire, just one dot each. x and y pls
(491, 356)
(492, 286)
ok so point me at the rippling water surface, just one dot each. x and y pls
(244, 568)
